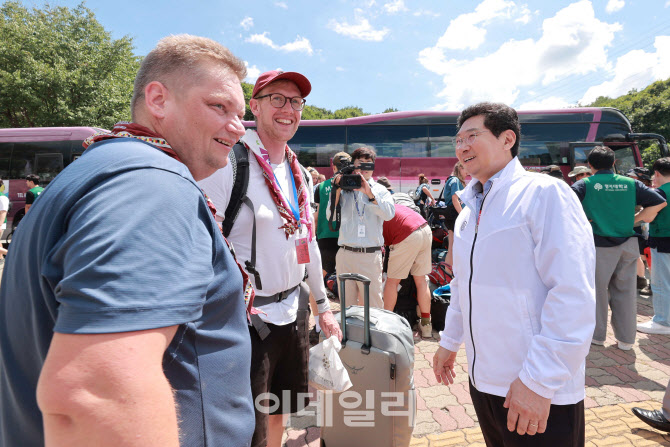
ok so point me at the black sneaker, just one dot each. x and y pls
(646, 290)
(641, 282)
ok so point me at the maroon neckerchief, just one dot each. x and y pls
(291, 225)
(133, 130)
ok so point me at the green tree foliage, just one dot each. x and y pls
(248, 90)
(59, 67)
(390, 109)
(316, 113)
(648, 111)
(349, 112)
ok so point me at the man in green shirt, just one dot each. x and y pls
(659, 241)
(325, 237)
(34, 189)
(609, 202)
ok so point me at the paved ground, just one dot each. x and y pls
(616, 381)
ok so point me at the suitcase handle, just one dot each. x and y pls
(366, 308)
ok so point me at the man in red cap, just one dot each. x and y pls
(285, 248)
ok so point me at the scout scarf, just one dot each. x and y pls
(132, 130)
(253, 142)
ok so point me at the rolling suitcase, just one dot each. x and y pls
(378, 352)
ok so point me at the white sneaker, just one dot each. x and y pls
(426, 330)
(625, 346)
(651, 327)
(598, 342)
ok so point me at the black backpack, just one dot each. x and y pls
(239, 160)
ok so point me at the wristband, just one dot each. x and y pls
(323, 305)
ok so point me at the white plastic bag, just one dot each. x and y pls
(326, 371)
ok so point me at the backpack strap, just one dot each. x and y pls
(239, 160)
(251, 264)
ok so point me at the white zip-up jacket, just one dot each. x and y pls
(523, 295)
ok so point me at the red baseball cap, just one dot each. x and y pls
(275, 75)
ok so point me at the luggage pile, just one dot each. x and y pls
(439, 304)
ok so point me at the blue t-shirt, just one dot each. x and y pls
(452, 185)
(126, 242)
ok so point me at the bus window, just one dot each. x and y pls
(316, 145)
(47, 166)
(611, 130)
(440, 141)
(542, 153)
(5, 156)
(390, 141)
(25, 158)
(624, 157)
(541, 143)
(581, 154)
(624, 160)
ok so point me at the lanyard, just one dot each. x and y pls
(295, 209)
(360, 214)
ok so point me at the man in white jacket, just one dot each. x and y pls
(521, 302)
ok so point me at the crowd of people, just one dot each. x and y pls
(171, 319)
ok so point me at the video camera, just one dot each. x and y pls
(350, 181)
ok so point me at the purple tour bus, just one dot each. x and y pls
(407, 144)
(44, 151)
(411, 143)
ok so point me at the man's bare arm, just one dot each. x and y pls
(108, 390)
(649, 213)
(457, 203)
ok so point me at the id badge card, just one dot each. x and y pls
(302, 250)
(361, 230)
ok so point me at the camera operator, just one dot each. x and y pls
(363, 206)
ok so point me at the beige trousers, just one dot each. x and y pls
(366, 264)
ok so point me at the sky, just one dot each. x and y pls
(422, 54)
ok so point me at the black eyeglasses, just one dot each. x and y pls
(277, 100)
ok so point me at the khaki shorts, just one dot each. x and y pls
(411, 256)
